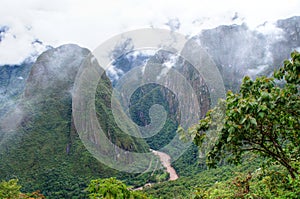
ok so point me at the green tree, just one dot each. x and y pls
(10, 189)
(111, 188)
(263, 118)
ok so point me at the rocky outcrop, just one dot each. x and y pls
(239, 51)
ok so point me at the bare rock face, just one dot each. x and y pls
(12, 79)
(239, 51)
(12, 84)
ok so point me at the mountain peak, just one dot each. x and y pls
(55, 68)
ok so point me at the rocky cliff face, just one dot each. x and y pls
(12, 84)
(12, 79)
(239, 51)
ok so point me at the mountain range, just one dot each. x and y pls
(38, 141)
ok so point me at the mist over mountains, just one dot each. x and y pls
(36, 97)
(236, 50)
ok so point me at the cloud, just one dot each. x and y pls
(174, 24)
(17, 44)
(90, 22)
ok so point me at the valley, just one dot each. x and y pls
(42, 148)
(166, 162)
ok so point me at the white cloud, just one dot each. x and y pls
(90, 22)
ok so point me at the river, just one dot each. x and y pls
(165, 159)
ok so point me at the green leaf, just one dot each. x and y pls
(243, 120)
(253, 121)
(229, 138)
(231, 130)
(261, 115)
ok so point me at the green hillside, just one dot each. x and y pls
(44, 152)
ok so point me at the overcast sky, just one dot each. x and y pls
(90, 22)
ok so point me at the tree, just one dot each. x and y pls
(10, 189)
(263, 118)
(111, 188)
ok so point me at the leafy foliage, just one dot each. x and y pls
(187, 186)
(271, 183)
(291, 70)
(262, 118)
(11, 190)
(111, 188)
(189, 163)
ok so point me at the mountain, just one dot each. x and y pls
(39, 143)
(12, 82)
(42, 148)
(238, 51)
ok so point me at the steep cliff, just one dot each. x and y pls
(42, 148)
